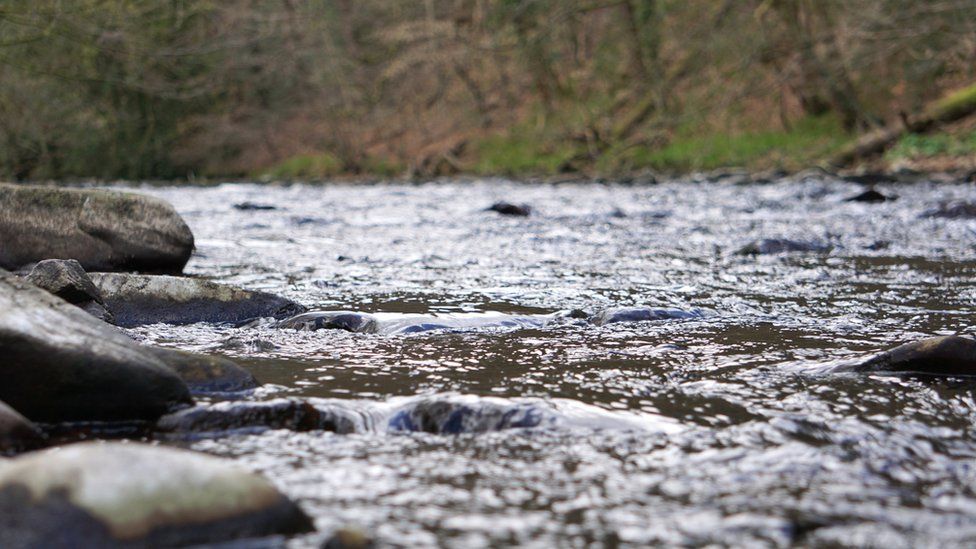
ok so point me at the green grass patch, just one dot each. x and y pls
(916, 145)
(382, 167)
(306, 166)
(810, 140)
(518, 154)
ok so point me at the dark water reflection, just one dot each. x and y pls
(767, 454)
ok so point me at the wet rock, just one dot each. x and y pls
(135, 300)
(349, 538)
(331, 320)
(66, 279)
(251, 207)
(60, 364)
(136, 495)
(103, 230)
(937, 356)
(952, 210)
(459, 414)
(870, 196)
(456, 416)
(252, 417)
(769, 246)
(507, 208)
(206, 373)
(17, 433)
(640, 314)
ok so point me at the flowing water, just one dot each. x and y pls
(697, 431)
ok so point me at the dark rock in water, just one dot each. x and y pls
(768, 246)
(66, 279)
(936, 356)
(452, 417)
(296, 415)
(57, 363)
(349, 538)
(640, 314)
(103, 230)
(331, 320)
(870, 196)
(506, 208)
(136, 495)
(135, 300)
(952, 210)
(251, 206)
(206, 373)
(17, 433)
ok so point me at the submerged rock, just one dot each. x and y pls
(103, 230)
(870, 196)
(952, 210)
(936, 356)
(17, 433)
(349, 538)
(135, 300)
(767, 246)
(206, 373)
(456, 416)
(331, 320)
(66, 279)
(292, 414)
(57, 363)
(507, 208)
(251, 206)
(136, 495)
(640, 314)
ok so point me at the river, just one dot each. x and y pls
(698, 431)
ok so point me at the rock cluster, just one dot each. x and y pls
(64, 363)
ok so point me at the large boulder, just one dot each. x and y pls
(60, 364)
(936, 356)
(66, 279)
(136, 495)
(135, 300)
(17, 433)
(205, 373)
(103, 230)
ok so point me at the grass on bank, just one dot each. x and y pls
(808, 141)
(915, 146)
(534, 153)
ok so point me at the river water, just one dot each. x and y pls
(708, 430)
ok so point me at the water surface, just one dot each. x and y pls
(708, 432)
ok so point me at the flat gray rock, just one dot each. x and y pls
(136, 495)
(60, 364)
(102, 230)
(135, 300)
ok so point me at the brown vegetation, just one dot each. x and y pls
(169, 89)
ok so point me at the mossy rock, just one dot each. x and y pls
(102, 230)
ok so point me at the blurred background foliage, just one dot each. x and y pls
(318, 88)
